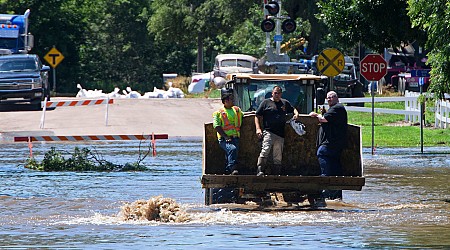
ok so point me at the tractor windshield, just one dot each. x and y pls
(251, 95)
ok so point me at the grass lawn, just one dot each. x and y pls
(390, 131)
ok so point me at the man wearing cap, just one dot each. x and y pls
(227, 122)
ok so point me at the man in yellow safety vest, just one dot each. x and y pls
(227, 122)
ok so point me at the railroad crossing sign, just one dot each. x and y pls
(373, 67)
(330, 62)
(54, 57)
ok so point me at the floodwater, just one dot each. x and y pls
(405, 204)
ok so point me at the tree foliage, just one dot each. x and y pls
(197, 23)
(433, 16)
(117, 47)
(311, 28)
(376, 24)
(120, 43)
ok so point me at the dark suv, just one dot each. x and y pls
(23, 78)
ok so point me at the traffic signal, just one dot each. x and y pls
(268, 25)
(272, 7)
(288, 26)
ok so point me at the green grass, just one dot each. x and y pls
(214, 93)
(388, 135)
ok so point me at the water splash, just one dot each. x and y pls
(155, 209)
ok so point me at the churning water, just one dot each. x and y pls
(405, 204)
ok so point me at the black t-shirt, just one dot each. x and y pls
(274, 115)
(333, 133)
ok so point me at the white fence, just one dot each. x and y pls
(442, 114)
(411, 111)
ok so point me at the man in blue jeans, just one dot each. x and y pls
(227, 122)
(332, 138)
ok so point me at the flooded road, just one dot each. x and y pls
(405, 204)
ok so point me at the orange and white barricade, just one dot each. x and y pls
(59, 138)
(68, 103)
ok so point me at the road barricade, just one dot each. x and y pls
(70, 103)
(52, 104)
(90, 137)
(59, 138)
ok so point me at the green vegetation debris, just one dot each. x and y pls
(82, 159)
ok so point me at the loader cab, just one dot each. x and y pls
(249, 90)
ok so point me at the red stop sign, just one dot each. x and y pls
(373, 67)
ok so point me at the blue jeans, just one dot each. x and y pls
(330, 165)
(329, 161)
(231, 153)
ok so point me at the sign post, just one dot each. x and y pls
(421, 82)
(54, 57)
(373, 67)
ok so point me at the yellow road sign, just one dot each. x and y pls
(54, 57)
(330, 62)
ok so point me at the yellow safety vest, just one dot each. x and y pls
(227, 126)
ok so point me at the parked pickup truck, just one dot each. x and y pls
(23, 78)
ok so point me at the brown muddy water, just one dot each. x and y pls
(405, 204)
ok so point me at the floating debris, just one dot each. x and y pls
(82, 159)
(155, 209)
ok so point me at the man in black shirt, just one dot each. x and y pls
(332, 136)
(331, 140)
(272, 114)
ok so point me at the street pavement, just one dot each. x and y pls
(182, 117)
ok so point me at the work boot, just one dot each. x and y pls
(259, 172)
(234, 170)
(261, 164)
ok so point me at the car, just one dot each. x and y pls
(234, 63)
(23, 78)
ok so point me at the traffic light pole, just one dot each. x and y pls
(278, 29)
(268, 39)
(272, 22)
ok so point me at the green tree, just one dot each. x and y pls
(312, 28)
(118, 49)
(247, 37)
(54, 23)
(377, 24)
(192, 24)
(433, 16)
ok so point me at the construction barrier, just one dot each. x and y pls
(90, 138)
(52, 104)
(31, 139)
